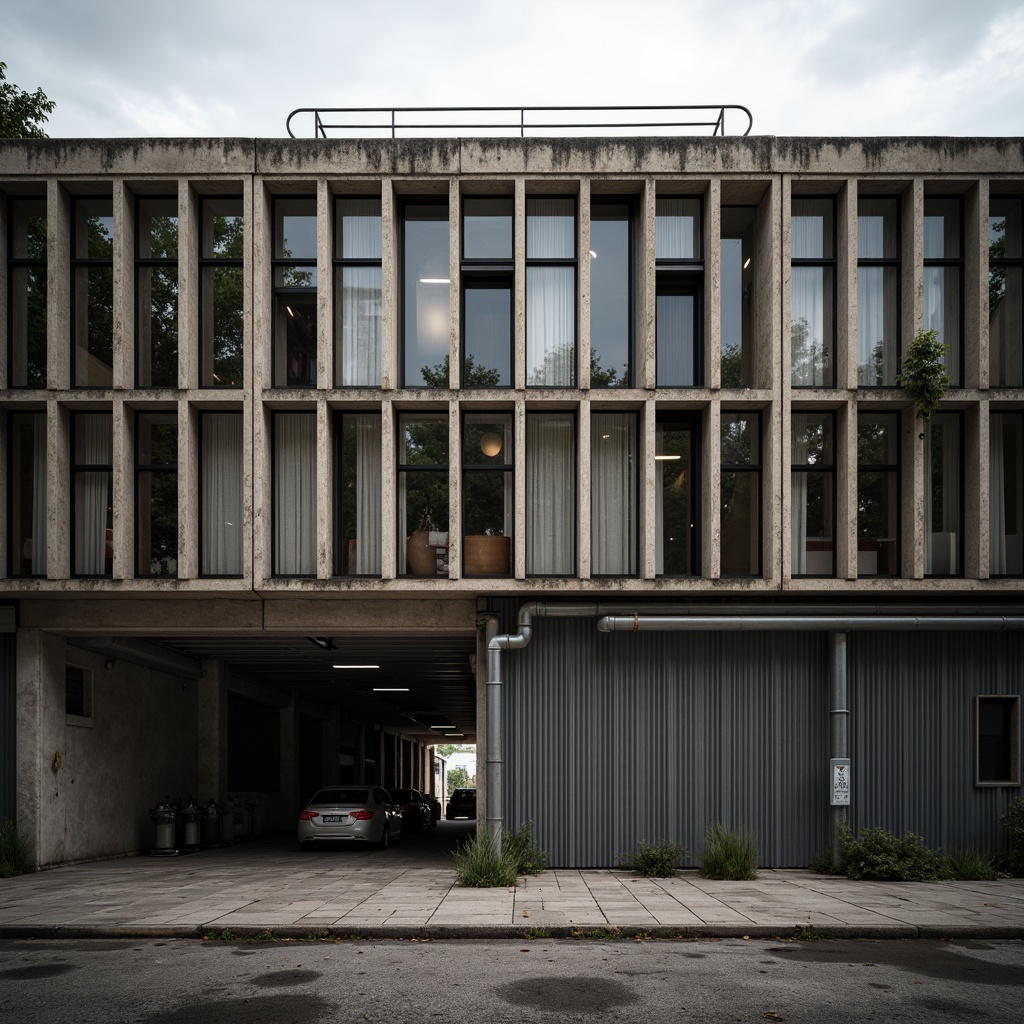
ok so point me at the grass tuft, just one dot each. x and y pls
(654, 860)
(15, 852)
(479, 864)
(729, 855)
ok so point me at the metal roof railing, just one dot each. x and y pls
(413, 122)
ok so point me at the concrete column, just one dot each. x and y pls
(840, 722)
(212, 731)
(290, 796)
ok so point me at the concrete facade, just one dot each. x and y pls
(167, 728)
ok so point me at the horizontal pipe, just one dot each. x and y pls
(799, 623)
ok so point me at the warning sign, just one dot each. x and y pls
(840, 781)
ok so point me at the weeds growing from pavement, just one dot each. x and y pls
(479, 863)
(654, 860)
(729, 855)
(15, 852)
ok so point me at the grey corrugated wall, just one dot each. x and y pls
(614, 738)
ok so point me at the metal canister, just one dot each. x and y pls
(164, 816)
(190, 816)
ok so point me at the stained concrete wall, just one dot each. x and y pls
(86, 783)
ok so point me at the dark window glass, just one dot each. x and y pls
(26, 293)
(295, 288)
(488, 495)
(611, 295)
(156, 494)
(741, 494)
(943, 277)
(221, 251)
(92, 292)
(156, 293)
(677, 448)
(423, 494)
(26, 494)
(943, 494)
(878, 293)
(92, 480)
(878, 494)
(76, 692)
(738, 265)
(812, 292)
(1006, 494)
(1005, 292)
(997, 740)
(426, 288)
(812, 507)
(680, 288)
(357, 542)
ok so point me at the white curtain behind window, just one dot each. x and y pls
(360, 326)
(811, 315)
(93, 447)
(613, 493)
(295, 494)
(368, 494)
(221, 516)
(551, 326)
(550, 494)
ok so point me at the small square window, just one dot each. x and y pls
(997, 741)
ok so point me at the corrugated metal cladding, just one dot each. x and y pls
(8, 726)
(615, 738)
(912, 732)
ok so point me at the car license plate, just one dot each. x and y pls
(328, 818)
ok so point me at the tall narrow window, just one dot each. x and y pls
(997, 740)
(680, 290)
(677, 459)
(1006, 494)
(92, 486)
(741, 494)
(487, 258)
(878, 493)
(878, 295)
(221, 510)
(488, 495)
(26, 494)
(294, 494)
(611, 294)
(550, 292)
(426, 289)
(944, 277)
(423, 494)
(221, 252)
(613, 494)
(295, 285)
(738, 265)
(26, 292)
(156, 292)
(92, 292)
(357, 291)
(550, 494)
(813, 293)
(1005, 292)
(357, 550)
(812, 474)
(943, 495)
(156, 494)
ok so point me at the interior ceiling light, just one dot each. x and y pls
(747, 264)
(663, 458)
(490, 443)
(391, 689)
(289, 308)
(593, 255)
(435, 280)
(357, 666)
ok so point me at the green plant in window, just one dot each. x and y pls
(924, 375)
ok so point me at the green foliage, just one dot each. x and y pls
(1013, 819)
(924, 373)
(878, 855)
(654, 860)
(968, 866)
(15, 850)
(22, 113)
(457, 778)
(479, 864)
(536, 933)
(595, 933)
(824, 863)
(808, 935)
(728, 854)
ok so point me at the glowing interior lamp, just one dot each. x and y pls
(391, 689)
(357, 666)
(746, 263)
(667, 458)
(490, 444)
(435, 280)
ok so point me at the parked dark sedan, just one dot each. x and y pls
(461, 804)
(435, 808)
(416, 813)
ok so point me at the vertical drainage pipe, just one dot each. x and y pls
(840, 722)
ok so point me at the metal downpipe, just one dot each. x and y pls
(840, 729)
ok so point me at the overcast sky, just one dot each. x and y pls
(123, 68)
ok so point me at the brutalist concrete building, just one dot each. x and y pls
(588, 450)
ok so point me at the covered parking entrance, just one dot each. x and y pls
(123, 702)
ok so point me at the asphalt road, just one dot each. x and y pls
(193, 982)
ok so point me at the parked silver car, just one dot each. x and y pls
(353, 814)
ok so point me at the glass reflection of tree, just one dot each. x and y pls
(808, 355)
(426, 491)
(163, 517)
(35, 302)
(228, 244)
(163, 304)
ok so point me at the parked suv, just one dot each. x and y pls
(461, 804)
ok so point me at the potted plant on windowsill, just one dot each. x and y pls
(420, 554)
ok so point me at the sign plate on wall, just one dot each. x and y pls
(840, 781)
